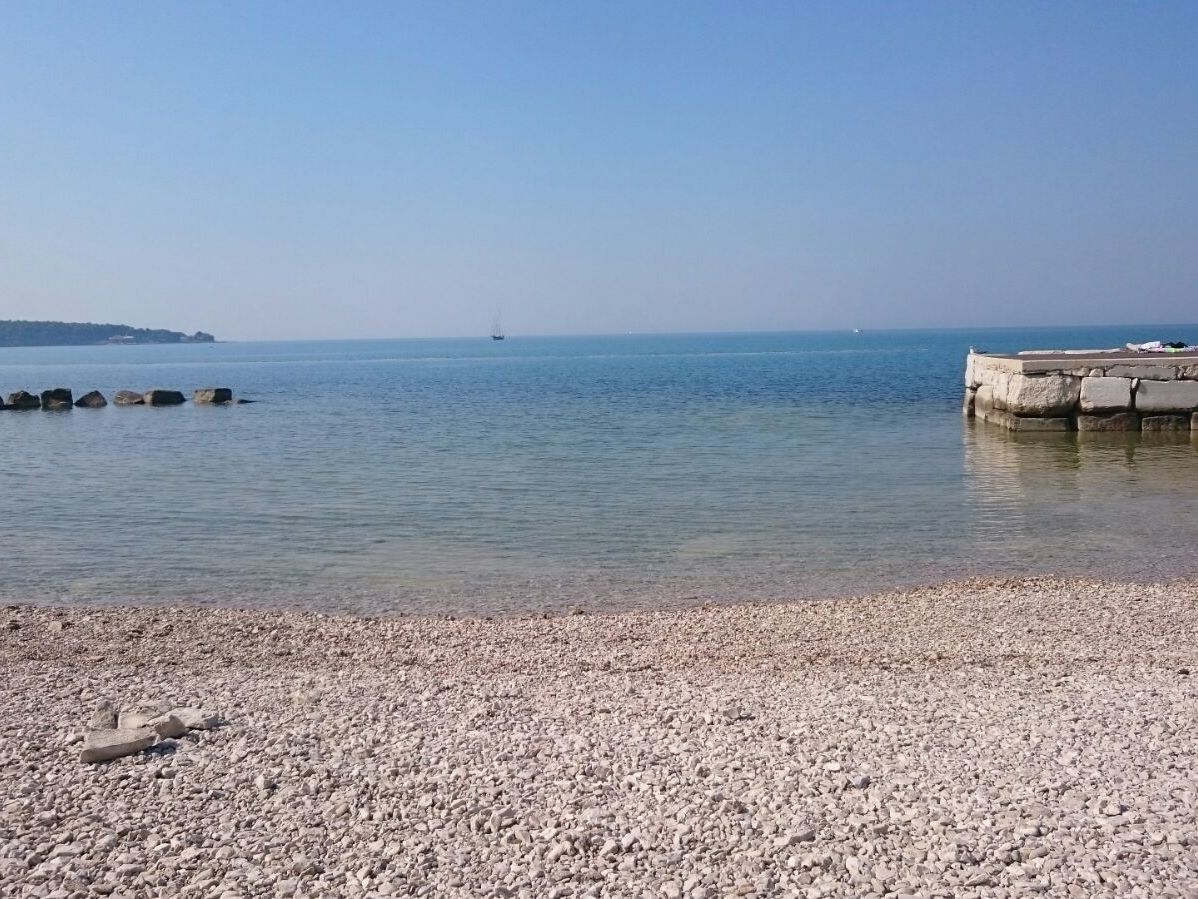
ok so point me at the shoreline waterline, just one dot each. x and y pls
(540, 603)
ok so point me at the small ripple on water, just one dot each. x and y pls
(682, 472)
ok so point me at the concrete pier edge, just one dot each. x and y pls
(1100, 391)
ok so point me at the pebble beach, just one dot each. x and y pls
(991, 738)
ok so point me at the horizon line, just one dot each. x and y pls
(715, 333)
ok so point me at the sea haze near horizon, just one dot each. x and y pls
(480, 477)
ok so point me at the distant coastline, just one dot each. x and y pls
(30, 333)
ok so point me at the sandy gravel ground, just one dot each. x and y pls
(991, 738)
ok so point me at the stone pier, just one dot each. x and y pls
(1100, 391)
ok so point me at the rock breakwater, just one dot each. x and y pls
(61, 399)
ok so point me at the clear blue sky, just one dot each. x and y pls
(266, 170)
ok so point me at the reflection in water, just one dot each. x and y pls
(1107, 505)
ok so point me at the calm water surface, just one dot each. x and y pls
(544, 473)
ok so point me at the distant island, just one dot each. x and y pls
(23, 333)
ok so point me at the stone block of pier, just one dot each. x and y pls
(1105, 394)
(1117, 421)
(1013, 422)
(1167, 396)
(983, 399)
(1046, 395)
(1144, 371)
(1165, 423)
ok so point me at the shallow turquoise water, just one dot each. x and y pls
(542, 473)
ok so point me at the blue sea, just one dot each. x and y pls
(472, 476)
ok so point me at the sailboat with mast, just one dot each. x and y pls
(497, 328)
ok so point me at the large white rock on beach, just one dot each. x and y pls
(1105, 394)
(106, 745)
(104, 717)
(1042, 394)
(142, 714)
(168, 726)
(197, 719)
(1167, 396)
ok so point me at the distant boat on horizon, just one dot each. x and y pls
(496, 328)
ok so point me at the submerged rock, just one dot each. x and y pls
(213, 396)
(163, 398)
(57, 399)
(1119, 421)
(22, 399)
(91, 400)
(1165, 423)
